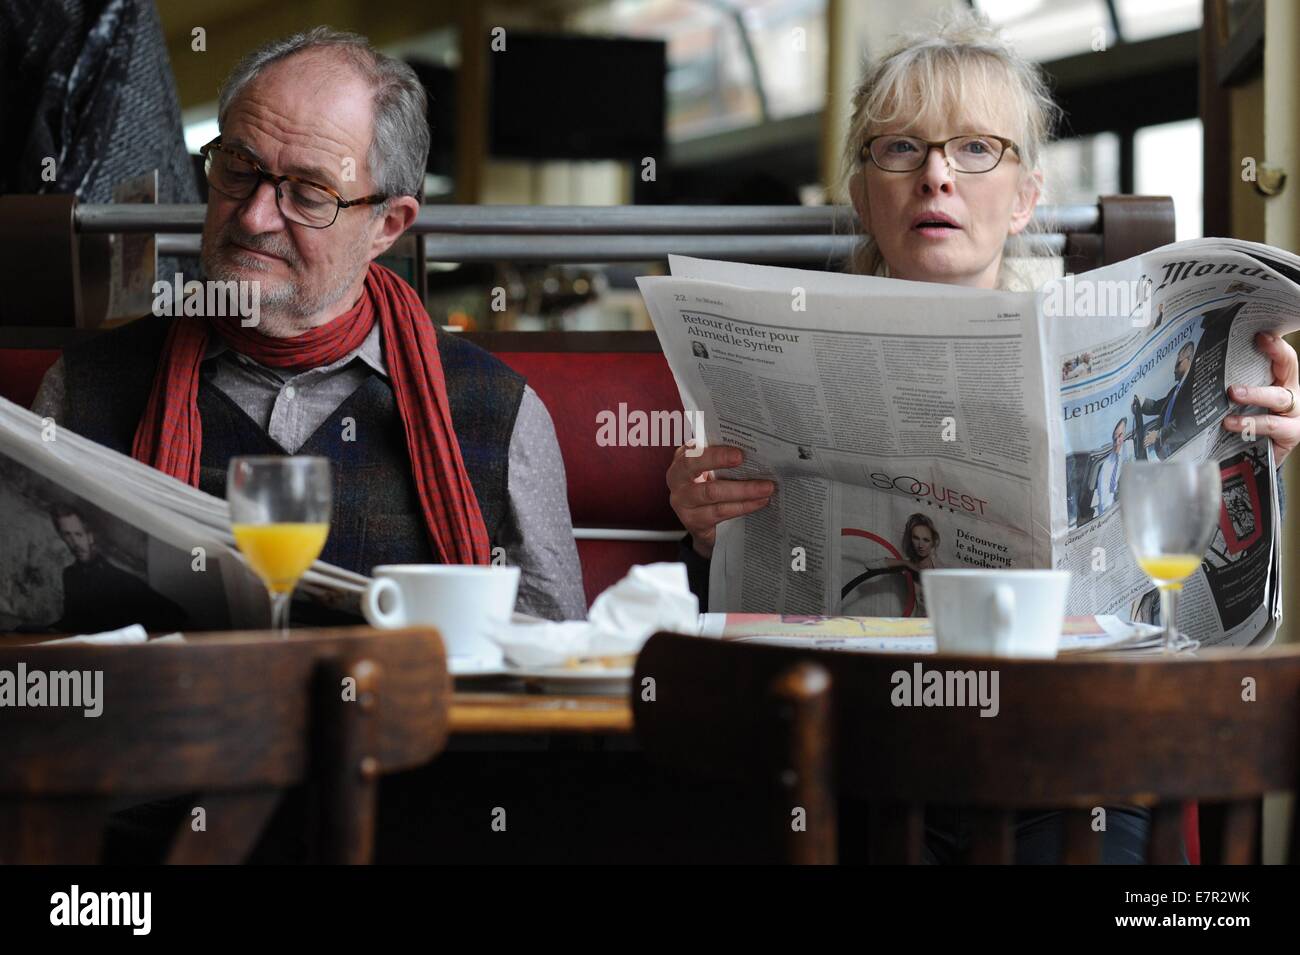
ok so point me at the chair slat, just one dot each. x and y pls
(1080, 843)
(1166, 840)
(804, 790)
(1211, 820)
(896, 834)
(1240, 831)
(232, 823)
(993, 836)
(348, 756)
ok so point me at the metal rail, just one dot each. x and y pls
(809, 234)
(630, 248)
(577, 220)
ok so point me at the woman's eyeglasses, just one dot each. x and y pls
(972, 153)
(307, 203)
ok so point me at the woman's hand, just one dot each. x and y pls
(703, 501)
(1282, 398)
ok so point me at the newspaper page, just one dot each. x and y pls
(912, 425)
(96, 540)
(1141, 354)
(903, 423)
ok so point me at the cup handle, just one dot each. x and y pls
(374, 613)
(1002, 617)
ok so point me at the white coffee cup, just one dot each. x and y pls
(467, 603)
(1003, 613)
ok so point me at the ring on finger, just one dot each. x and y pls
(1291, 407)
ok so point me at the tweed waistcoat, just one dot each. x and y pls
(377, 518)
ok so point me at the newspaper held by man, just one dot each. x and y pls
(914, 425)
(96, 540)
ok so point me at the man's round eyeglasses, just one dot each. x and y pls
(233, 174)
(971, 153)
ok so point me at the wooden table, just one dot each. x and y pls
(487, 712)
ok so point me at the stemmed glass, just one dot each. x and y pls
(1170, 511)
(280, 516)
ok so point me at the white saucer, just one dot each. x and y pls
(476, 666)
(560, 680)
(604, 681)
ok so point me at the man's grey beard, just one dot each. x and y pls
(287, 303)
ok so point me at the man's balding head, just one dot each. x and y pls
(326, 107)
(399, 149)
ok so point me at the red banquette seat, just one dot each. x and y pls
(617, 495)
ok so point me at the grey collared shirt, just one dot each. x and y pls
(537, 533)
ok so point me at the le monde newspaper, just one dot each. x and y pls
(913, 425)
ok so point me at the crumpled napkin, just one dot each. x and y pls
(131, 634)
(652, 597)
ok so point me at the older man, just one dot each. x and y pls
(441, 452)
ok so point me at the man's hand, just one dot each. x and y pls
(1282, 398)
(703, 501)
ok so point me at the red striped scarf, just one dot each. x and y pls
(170, 434)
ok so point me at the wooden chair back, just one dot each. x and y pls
(236, 717)
(816, 728)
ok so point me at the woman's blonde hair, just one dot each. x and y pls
(962, 60)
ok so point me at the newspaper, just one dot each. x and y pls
(908, 634)
(913, 425)
(95, 540)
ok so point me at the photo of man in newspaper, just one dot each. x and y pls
(70, 566)
(1092, 473)
(97, 593)
(1164, 423)
(1165, 437)
(1093, 477)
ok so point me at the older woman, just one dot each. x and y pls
(941, 164)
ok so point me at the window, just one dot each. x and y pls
(1050, 29)
(711, 80)
(1077, 171)
(1143, 19)
(1167, 162)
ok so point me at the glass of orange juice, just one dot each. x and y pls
(1170, 509)
(280, 516)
